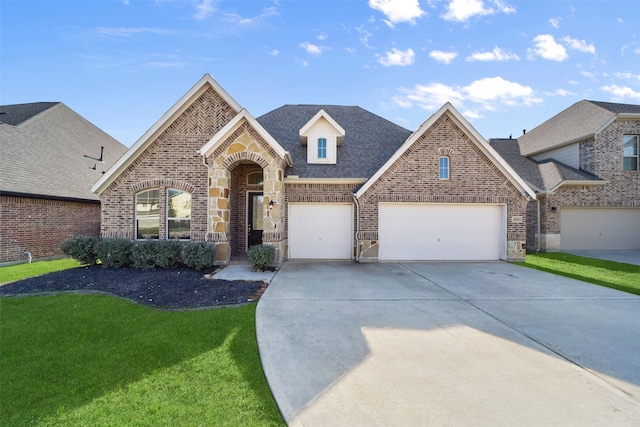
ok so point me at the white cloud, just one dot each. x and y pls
(463, 10)
(621, 93)
(496, 54)
(627, 76)
(204, 9)
(560, 92)
(398, 11)
(321, 36)
(274, 52)
(487, 94)
(312, 49)
(398, 57)
(546, 47)
(580, 45)
(130, 31)
(443, 57)
(238, 20)
(555, 22)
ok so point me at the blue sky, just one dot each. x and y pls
(505, 65)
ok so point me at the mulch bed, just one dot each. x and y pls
(158, 288)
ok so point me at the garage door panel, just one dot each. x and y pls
(320, 231)
(600, 228)
(441, 232)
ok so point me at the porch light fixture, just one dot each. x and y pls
(271, 204)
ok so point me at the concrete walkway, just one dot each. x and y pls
(627, 257)
(464, 344)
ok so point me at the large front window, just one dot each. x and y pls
(630, 152)
(148, 214)
(178, 214)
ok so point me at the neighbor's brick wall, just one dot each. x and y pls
(414, 178)
(171, 161)
(605, 153)
(40, 225)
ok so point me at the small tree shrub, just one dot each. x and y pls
(199, 255)
(81, 248)
(262, 256)
(144, 254)
(169, 254)
(114, 253)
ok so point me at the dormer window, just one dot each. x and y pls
(322, 135)
(322, 148)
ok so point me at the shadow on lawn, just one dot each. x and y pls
(61, 353)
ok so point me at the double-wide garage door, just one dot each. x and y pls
(320, 231)
(600, 228)
(414, 231)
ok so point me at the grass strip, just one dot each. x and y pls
(13, 273)
(78, 360)
(616, 275)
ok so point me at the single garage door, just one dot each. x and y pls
(600, 228)
(320, 231)
(414, 231)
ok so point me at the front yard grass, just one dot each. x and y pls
(79, 360)
(16, 272)
(616, 275)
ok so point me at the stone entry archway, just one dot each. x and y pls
(241, 153)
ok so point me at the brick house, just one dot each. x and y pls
(45, 178)
(583, 165)
(316, 182)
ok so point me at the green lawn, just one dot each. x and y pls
(80, 360)
(616, 275)
(22, 271)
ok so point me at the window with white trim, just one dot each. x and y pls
(443, 168)
(630, 148)
(322, 148)
(148, 214)
(178, 214)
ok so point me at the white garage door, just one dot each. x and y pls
(320, 231)
(412, 231)
(600, 228)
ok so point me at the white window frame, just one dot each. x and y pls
(442, 169)
(169, 218)
(636, 156)
(137, 218)
(321, 149)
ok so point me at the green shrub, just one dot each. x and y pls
(169, 254)
(144, 254)
(81, 248)
(114, 253)
(199, 255)
(262, 256)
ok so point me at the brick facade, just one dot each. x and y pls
(172, 160)
(41, 225)
(414, 178)
(601, 155)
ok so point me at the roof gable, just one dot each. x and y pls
(475, 137)
(304, 131)
(582, 120)
(205, 83)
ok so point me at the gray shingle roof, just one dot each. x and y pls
(369, 139)
(580, 121)
(42, 148)
(542, 175)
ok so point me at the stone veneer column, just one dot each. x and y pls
(219, 214)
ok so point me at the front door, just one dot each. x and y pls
(255, 213)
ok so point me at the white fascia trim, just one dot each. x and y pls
(478, 139)
(296, 180)
(576, 183)
(314, 119)
(159, 126)
(233, 125)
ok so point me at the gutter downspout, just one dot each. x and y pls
(538, 225)
(355, 201)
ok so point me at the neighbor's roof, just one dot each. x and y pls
(542, 176)
(42, 151)
(580, 121)
(368, 143)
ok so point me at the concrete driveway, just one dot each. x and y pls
(627, 257)
(460, 344)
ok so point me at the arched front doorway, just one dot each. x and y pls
(246, 200)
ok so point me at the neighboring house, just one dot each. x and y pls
(46, 176)
(316, 182)
(583, 164)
